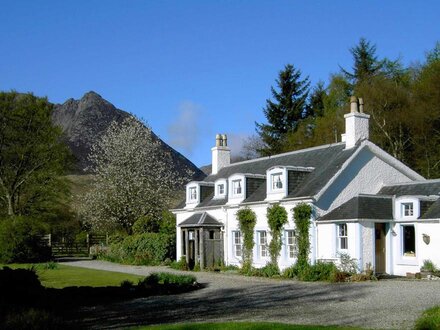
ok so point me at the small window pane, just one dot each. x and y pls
(236, 236)
(262, 246)
(236, 186)
(193, 193)
(408, 209)
(290, 243)
(342, 236)
(277, 182)
(221, 189)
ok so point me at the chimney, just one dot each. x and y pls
(356, 123)
(221, 154)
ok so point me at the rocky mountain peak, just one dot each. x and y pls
(83, 121)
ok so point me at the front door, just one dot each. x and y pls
(380, 246)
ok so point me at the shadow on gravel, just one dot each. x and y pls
(263, 301)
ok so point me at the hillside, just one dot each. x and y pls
(84, 121)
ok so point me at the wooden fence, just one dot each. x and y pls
(66, 247)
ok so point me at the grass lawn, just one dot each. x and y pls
(430, 319)
(241, 326)
(63, 276)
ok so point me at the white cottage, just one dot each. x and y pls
(365, 203)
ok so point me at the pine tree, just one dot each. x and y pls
(315, 108)
(366, 64)
(287, 109)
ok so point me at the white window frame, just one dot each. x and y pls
(262, 244)
(277, 181)
(407, 209)
(221, 189)
(291, 246)
(192, 193)
(342, 236)
(237, 187)
(237, 243)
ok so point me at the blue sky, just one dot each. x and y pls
(196, 68)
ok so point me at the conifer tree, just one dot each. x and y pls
(366, 64)
(285, 111)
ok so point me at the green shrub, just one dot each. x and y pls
(51, 265)
(20, 240)
(270, 270)
(180, 265)
(141, 249)
(276, 219)
(430, 319)
(31, 318)
(127, 284)
(168, 278)
(428, 266)
(347, 264)
(246, 222)
(321, 271)
(301, 216)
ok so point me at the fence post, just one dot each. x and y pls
(88, 243)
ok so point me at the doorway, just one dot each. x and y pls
(380, 247)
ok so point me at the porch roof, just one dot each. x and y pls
(201, 220)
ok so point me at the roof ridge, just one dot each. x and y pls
(374, 196)
(427, 181)
(287, 153)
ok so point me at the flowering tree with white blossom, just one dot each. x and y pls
(134, 177)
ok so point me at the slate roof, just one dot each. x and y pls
(433, 212)
(326, 161)
(363, 207)
(201, 220)
(421, 188)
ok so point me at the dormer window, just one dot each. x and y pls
(221, 189)
(236, 187)
(407, 209)
(277, 182)
(193, 193)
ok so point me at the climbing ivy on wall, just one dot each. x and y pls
(276, 218)
(246, 221)
(301, 216)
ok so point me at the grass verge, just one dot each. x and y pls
(241, 326)
(62, 276)
(430, 319)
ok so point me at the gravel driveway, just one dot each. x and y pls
(387, 304)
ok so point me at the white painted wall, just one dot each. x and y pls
(403, 264)
(365, 174)
(328, 244)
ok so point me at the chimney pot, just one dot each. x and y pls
(361, 105)
(218, 140)
(354, 104)
(225, 140)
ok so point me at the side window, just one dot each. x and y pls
(342, 237)
(236, 239)
(408, 241)
(221, 189)
(262, 243)
(290, 243)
